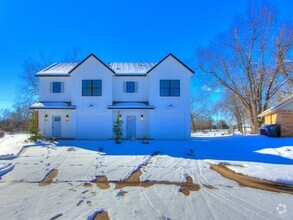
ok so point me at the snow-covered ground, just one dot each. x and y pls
(286, 151)
(74, 195)
(10, 145)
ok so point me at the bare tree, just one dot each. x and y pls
(28, 84)
(202, 108)
(250, 59)
(232, 106)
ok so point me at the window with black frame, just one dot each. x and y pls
(91, 87)
(169, 87)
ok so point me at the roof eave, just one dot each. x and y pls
(68, 108)
(266, 113)
(52, 75)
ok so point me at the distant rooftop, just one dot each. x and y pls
(63, 69)
(278, 106)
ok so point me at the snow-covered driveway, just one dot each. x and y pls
(73, 193)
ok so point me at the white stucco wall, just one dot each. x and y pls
(142, 126)
(93, 119)
(47, 96)
(67, 127)
(170, 122)
(91, 69)
(120, 95)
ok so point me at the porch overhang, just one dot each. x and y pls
(131, 105)
(52, 105)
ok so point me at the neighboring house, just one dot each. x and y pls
(281, 114)
(82, 100)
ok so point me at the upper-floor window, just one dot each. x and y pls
(91, 87)
(130, 87)
(169, 87)
(57, 87)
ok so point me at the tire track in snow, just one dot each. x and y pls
(150, 203)
(221, 190)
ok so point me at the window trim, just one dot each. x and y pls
(169, 88)
(91, 88)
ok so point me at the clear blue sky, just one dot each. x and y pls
(128, 30)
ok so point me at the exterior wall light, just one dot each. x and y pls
(141, 117)
(120, 117)
(67, 118)
(46, 117)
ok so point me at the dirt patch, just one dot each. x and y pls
(134, 181)
(102, 216)
(185, 188)
(209, 186)
(102, 182)
(87, 185)
(251, 181)
(49, 178)
(134, 177)
(184, 191)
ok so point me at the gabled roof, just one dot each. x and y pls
(57, 69)
(277, 107)
(131, 68)
(92, 55)
(119, 69)
(170, 55)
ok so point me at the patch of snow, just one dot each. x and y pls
(270, 172)
(5, 168)
(21, 196)
(11, 145)
(286, 151)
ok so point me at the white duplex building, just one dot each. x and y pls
(82, 100)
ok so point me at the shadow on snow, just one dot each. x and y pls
(235, 148)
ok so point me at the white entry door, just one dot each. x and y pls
(130, 126)
(56, 126)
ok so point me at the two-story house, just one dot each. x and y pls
(82, 100)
